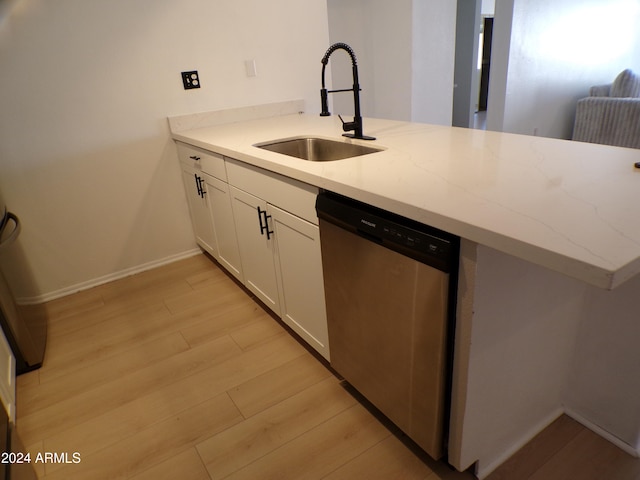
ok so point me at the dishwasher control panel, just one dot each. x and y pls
(419, 241)
(413, 239)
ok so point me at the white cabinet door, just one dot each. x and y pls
(224, 225)
(274, 253)
(299, 270)
(256, 246)
(194, 185)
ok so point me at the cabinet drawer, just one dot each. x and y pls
(200, 159)
(291, 195)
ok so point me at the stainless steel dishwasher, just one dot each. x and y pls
(390, 295)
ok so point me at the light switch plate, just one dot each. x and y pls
(190, 80)
(250, 67)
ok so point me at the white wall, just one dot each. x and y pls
(604, 385)
(433, 61)
(498, 75)
(359, 23)
(546, 55)
(520, 336)
(85, 87)
(405, 57)
(488, 7)
(467, 75)
(531, 344)
(557, 50)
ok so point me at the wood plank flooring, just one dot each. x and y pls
(179, 373)
(566, 451)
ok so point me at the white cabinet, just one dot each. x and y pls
(299, 272)
(199, 208)
(257, 247)
(280, 248)
(224, 225)
(263, 228)
(204, 178)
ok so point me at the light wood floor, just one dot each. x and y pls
(179, 373)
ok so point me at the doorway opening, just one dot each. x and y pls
(484, 67)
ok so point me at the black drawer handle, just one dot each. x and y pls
(194, 157)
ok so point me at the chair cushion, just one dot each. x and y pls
(626, 84)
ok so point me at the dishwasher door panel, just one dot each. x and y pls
(387, 320)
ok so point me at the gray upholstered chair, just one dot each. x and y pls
(610, 115)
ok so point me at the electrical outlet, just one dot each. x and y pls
(190, 80)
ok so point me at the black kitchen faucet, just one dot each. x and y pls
(356, 125)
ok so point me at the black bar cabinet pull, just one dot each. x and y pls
(264, 228)
(198, 184)
(194, 157)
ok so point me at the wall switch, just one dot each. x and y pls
(250, 66)
(190, 80)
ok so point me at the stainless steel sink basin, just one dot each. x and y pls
(317, 149)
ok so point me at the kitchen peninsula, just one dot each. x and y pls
(547, 297)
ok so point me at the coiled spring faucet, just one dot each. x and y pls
(356, 125)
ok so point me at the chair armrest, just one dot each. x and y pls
(609, 121)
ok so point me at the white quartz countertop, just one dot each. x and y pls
(568, 206)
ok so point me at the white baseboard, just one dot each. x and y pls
(63, 292)
(635, 452)
(482, 471)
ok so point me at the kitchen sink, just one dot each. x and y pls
(317, 149)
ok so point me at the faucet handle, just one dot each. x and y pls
(347, 126)
(356, 126)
